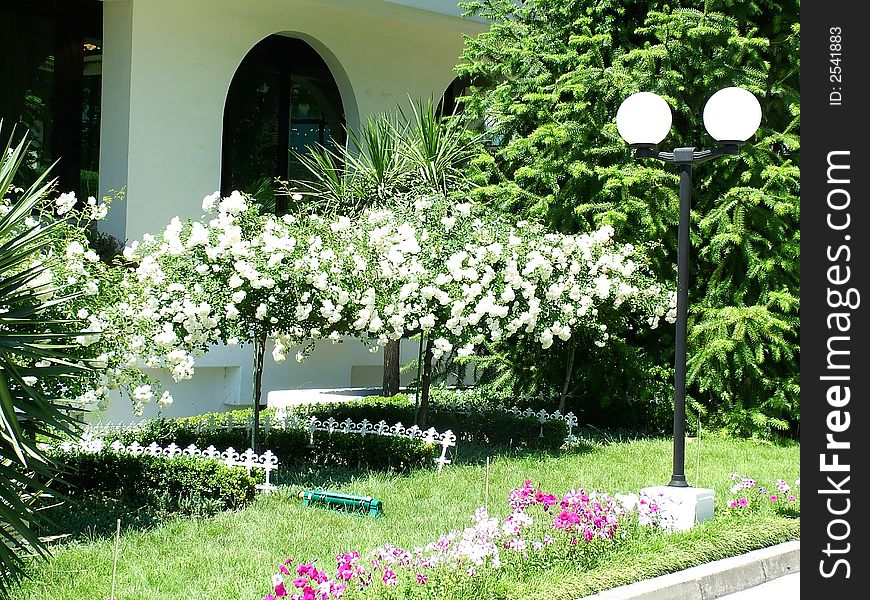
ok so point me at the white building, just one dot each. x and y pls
(173, 99)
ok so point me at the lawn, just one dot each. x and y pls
(233, 555)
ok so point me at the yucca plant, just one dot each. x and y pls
(391, 158)
(33, 347)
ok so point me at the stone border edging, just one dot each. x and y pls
(713, 579)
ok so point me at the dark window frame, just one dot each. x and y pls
(74, 22)
(287, 57)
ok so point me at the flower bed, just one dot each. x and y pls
(540, 528)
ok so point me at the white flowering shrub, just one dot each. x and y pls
(81, 293)
(450, 270)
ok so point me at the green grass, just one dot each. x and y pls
(234, 554)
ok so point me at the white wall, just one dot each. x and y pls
(167, 66)
(179, 61)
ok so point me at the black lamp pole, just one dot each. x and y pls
(685, 158)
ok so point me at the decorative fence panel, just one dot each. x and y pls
(365, 427)
(543, 416)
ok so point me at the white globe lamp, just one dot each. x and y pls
(732, 115)
(643, 119)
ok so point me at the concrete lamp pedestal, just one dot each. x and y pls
(690, 505)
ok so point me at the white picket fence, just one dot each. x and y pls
(267, 461)
(543, 416)
(447, 439)
(312, 424)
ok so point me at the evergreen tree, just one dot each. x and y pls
(549, 76)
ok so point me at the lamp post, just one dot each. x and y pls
(731, 116)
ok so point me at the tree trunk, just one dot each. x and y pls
(391, 368)
(568, 370)
(259, 351)
(425, 381)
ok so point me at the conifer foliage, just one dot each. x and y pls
(548, 78)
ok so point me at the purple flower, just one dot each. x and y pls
(389, 577)
(774, 497)
(742, 502)
(791, 499)
(300, 582)
(422, 579)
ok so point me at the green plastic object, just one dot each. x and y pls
(366, 505)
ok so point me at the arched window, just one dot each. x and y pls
(283, 98)
(450, 105)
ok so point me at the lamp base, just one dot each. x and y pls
(690, 505)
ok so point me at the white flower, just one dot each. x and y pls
(209, 202)
(65, 202)
(198, 235)
(165, 399)
(143, 393)
(239, 296)
(343, 224)
(427, 322)
(233, 204)
(97, 212)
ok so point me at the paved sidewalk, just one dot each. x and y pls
(776, 567)
(786, 587)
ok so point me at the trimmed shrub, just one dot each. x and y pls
(176, 485)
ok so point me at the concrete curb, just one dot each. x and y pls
(715, 579)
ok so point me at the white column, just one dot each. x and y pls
(115, 109)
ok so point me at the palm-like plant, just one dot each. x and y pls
(390, 159)
(33, 348)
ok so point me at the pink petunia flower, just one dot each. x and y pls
(422, 579)
(389, 577)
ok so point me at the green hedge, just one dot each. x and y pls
(175, 485)
(473, 422)
(292, 446)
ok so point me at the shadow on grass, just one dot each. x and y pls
(313, 476)
(476, 454)
(95, 518)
